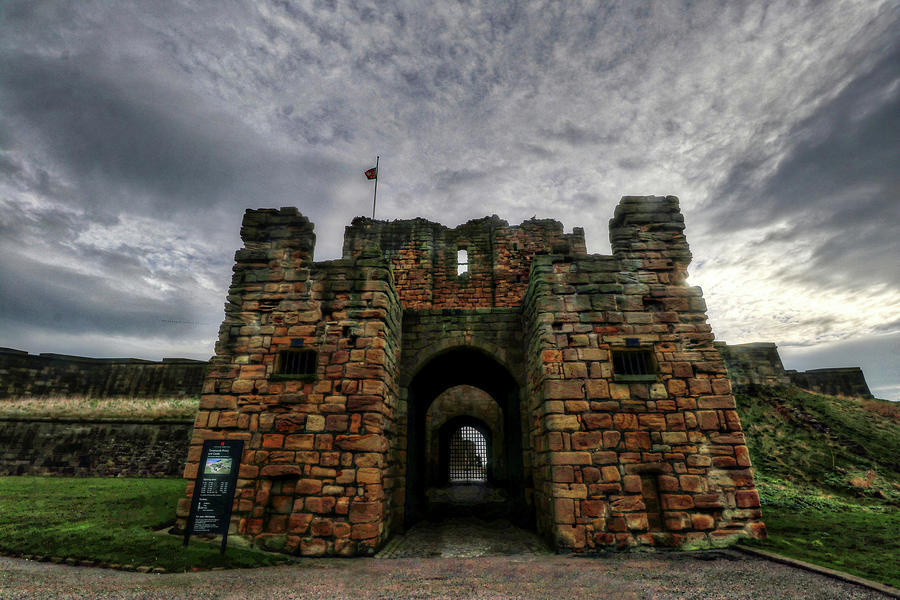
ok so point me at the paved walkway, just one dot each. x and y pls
(464, 538)
(477, 560)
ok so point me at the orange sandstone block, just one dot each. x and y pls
(272, 440)
(747, 498)
(677, 501)
(701, 521)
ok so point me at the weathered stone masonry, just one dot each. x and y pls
(23, 374)
(336, 461)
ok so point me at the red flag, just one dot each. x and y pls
(372, 173)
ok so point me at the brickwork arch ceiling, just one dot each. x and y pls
(415, 361)
(463, 366)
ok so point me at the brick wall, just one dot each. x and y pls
(603, 446)
(319, 470)
(424, 258)
(335, 461)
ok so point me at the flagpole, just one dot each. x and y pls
(375, 195)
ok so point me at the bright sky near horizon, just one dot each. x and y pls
(134, 134)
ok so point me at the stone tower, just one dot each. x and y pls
(585, 389)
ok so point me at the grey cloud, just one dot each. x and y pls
(54, 298)
(451, 178)
(577, 136)
(536, 150)
(837, 186)
(633, 163)
(94, 125)
(139, 146)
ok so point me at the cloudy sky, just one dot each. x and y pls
(134, 135)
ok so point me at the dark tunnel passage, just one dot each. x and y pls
(469, 480)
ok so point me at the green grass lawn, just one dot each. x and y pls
(858, 537)
(111, 520)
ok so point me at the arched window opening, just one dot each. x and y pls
(462, 262)
(468, 456)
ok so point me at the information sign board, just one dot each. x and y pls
(214, 488)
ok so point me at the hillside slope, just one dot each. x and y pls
(828, 473)
(848, 446)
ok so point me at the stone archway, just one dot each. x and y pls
(473, 367)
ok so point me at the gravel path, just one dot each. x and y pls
(721, 575)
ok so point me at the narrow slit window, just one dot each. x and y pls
(638, 362)
(462, 262)
(298, 362)
(468, 456)
(650, 492)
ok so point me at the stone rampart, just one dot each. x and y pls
(23, 374)
(609, 411)
(841, 381)
(322, 461)
(93, 447)
(757, 363)
(424, 258)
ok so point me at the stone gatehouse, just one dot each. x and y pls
(488, 368)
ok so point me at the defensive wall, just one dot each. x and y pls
(758, 364)
(616, 419)
(23, 374)
(842, 381)
(93, 447)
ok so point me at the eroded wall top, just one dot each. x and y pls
(424, 256)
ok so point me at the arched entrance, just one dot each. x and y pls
(470, 463)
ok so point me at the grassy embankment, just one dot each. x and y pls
(117, 520)
(120, 520)
(828, 472)
(181, 407)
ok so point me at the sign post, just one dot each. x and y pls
(214, 489)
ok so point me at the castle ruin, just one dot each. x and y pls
(488, 368)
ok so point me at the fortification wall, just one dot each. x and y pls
(841, 381)
(423, 256)
(23, 374)
(627, 459)
(757, 363)
(93, 447)
(321, 468)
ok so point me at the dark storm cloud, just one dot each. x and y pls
(112, 131)
(48, 297)
(837, 185)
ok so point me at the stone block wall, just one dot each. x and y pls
(627, 460)
(841, 381)
(602, 458)
(319, 471)
(23, 374)
(753, 364)
(462, 401)
(93, 447)
(424, 258)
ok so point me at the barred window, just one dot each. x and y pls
(468, 456)
(633, 362)
(297, 362)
